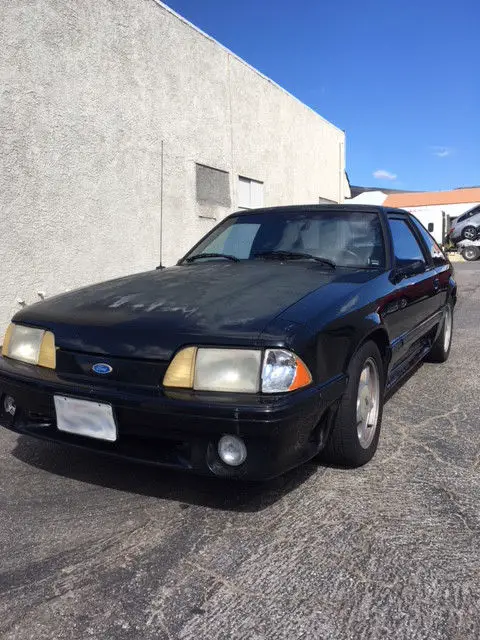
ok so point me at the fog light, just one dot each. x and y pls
(232, 450)
(9, 405)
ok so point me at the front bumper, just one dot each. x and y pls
(179, 430)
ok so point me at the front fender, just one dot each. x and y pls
(371, 328)
(336, 345)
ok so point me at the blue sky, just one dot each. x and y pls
(401, 78)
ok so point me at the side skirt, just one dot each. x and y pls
(405, 367)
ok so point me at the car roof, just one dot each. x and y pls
(303, 208)
(476, 206)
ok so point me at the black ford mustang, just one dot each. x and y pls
(275, 338)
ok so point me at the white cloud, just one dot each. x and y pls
(442, 152)
(383, 174)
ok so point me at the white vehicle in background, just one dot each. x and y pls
(462, 230)
(469, 249)
(449, 223)
(466, 226)
(434, 219)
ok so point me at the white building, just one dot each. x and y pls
(127, 133)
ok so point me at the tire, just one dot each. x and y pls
(471, 253)
(442, 345)
(469, 233)
(346, 447)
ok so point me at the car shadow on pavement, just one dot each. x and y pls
(185, 488)
(152, 481)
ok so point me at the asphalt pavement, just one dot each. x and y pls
(97, 548)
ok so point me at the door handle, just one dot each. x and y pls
(436, 284)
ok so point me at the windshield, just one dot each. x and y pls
(346, 238)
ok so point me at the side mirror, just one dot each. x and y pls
(408, 270)
(414, 268)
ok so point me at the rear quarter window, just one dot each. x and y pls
(437, 255)
(406, 247)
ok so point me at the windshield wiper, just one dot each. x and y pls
(212, 255)
(294, 255)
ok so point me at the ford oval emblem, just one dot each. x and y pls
(102, 368)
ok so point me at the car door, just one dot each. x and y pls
(408, 315)
(475, 220)
(468, 219)
(440, 263)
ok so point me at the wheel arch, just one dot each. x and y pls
(380, 337)
(375, 331)
(469, 226)
(452, 293)
(474, 249)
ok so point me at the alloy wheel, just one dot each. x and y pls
(368, 403)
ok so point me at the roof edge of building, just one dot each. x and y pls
(237, 57)
(434, 198)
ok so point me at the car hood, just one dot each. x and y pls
(152, 314)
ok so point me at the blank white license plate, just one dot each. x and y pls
(85, 418)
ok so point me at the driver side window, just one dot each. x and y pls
(405, 245)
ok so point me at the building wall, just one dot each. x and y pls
(369, 197)
(107, 106)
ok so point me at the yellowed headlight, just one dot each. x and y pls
(6, 340)
(30, 345)
(47, 356)
(181, 371)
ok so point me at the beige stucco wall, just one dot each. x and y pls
(89, 90)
